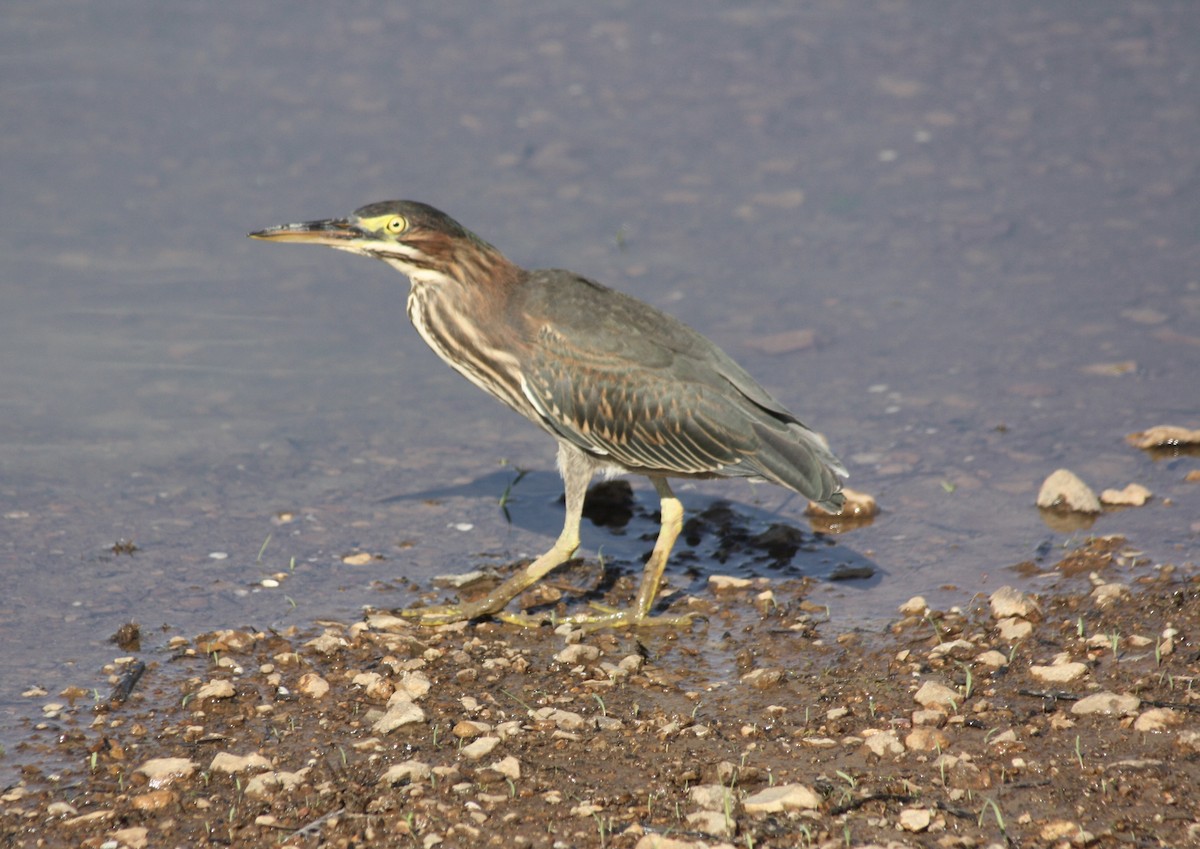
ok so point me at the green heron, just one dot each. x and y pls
(622, 386)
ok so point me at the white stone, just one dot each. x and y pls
(938, 696)
(409, 772)
(477, 749)
(1112, 704)
(1007, 602)
(1063, 490)
(1059, 672)
(162, 772)
(915, 819)
(782, 797)
(230, 763)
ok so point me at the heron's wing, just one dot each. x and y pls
(623, 380)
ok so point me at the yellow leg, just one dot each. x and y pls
(576, 470)
(639, 614)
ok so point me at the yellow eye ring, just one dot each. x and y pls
(396, 225)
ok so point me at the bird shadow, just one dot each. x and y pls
(719, 536)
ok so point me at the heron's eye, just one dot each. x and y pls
(396, 225)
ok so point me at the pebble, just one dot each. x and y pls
(1106, 595)
(228, 762)
(884, 743)
(711, 797)
(714, 823)
(312, 685)
(915, 819)
(1008, 602)
(477, 749)
(162, 772)
(782, 797)
(218, 688)
(509, 767)
(937, 696)
(134, 837)
(155, 800)
(1134, 495)
(468, 729)
(926, 739)
(1014, 630)
(327, 643)
(1111, 704)
(265, 784)
(1059, 672)
(577, 653)
(993, 658)
(409, 772)
(399, 712)
(915, 606)
(761, 679)
(1063, 490)
(1157, 719)
(728, 582)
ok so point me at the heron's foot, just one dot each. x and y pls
(604, 617)
(448, 614)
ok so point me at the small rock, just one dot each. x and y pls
(714, 823)
(374, 685)
(1059, 830)
(937, 696)
(1014, 630)
(312, 685)
(155, 800)
(577, 653)
(162, 772)
(509, 767)
(1164, 436)
(231, 763)
(728, 582)
(218, 688)
(1063, 490)
(711, 797)
(477, 749)
(949, 648)
(782, 797)
(1157, 719)
(61, 809)
(414, 685)
(135, 836)
(993, 658)
(564, 720)
(1059, 672)
(1003, 738)
(762, 679)
(468, 729)
(409, 772)
(915, 606)
(265, 784)
(1007, 602)
(884, 744)
(399, 712)
(925, 716)
(1106, 595)
(660, 841)
(1107, 703)
(1189, 741)
(327, 643)
(927, 739)
(915, 819)
(1134, 495)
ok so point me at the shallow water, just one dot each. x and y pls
(971, 208)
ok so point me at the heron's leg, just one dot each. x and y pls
(652, 573)
(576, 469)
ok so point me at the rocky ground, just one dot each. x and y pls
(1055, 721)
